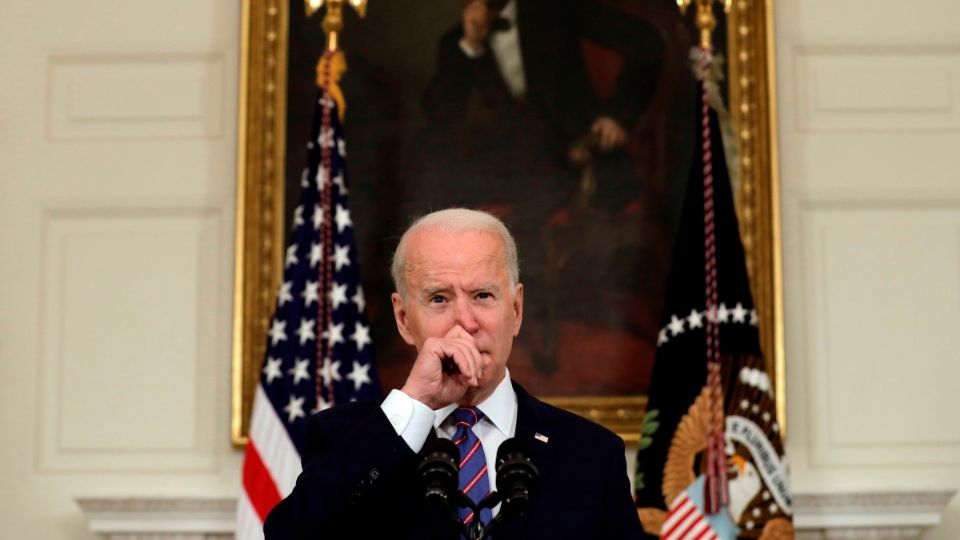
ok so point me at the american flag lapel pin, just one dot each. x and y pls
(541, 437)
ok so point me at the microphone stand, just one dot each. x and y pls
(476, 530)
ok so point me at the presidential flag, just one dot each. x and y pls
(711, 462)
(318, 345)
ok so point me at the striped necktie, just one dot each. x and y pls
(473, 462)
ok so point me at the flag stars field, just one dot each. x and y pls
(338, 294)
(291, 257)
(676, 325)
(330, 372)
(285, 295)
(294, 408)
(361, 336)
(358, 299)
(271, 369)
(695, 320)
(334, 334)
(311, 293)
(723, 314)
(299, 370)
(298, 216)
(341, 257)
(360, 375)
(739, 314)
(278, 331)
(317, 217)
(341, 185)
(342, 218)
(305, 332)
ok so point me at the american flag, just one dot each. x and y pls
(318, 346)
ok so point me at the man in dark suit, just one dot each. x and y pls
(460, 303)
(510, 96)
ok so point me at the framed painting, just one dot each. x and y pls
(593, 209)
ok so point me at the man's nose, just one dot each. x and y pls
(466, 317)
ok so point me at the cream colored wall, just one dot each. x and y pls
(117, 167)
(869, 99)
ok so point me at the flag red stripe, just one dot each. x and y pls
(677, 508)
(258, 483)
(680, 522)
(705, 534)
(688, 525)
(700, 531)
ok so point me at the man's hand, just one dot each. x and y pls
(445, 369)
(477, 21)
(610, 133)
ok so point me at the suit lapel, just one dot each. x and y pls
(534, 422)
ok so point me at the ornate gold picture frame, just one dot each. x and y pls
(260, 199)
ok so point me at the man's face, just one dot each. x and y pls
(461, 278)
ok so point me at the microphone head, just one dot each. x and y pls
(518, 479)
(439, 469)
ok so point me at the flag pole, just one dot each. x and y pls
(333, 18)
(330, 68)
(716, 494)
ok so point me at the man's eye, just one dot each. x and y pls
(484, 296)
(437, 299)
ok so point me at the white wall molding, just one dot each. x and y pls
(879, 515)
(154, 518)
(873, 515)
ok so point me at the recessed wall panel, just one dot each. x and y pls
(127, 339)
(878, 89)
(885, 298)
(135, 96)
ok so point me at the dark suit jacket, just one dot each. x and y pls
(558, 91)
(359, 481)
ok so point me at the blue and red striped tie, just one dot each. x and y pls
(473, 462)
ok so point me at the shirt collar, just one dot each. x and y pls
(500, 408)
(509, 11)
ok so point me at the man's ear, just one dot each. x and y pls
(400, 315)
(518, 309)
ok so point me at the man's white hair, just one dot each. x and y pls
(455, 220)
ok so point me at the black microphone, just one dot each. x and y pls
(518, 479)
(439, 470)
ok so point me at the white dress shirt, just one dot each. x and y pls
(413, 421)
(506, 51)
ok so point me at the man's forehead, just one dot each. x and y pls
(464, 267)
(441, 245)
(434, 253)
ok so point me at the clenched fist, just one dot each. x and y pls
(445, 369)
